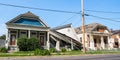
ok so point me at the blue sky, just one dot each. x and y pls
(54, 19)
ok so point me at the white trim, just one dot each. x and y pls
(10, 36)
(28, 28)
(29, 33)
(48, 41)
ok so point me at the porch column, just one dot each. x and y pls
(108, 46)
(28, 33)
(102, 43)
(72, 44)
(91, 42)
(119, 42)
(48, 41)
(7, 39)
(57, 45)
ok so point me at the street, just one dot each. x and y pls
(85, 57)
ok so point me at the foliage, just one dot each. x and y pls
(28, 44)
(3, 37)
(41, 52)
(63, 50)
(52, 50)
(3, 50)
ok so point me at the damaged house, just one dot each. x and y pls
(96, 36)
(115, 39)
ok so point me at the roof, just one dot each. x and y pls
(67, 30)
(89, 27)
(115, 31)
(61, 27)
(64, 37)
(29, 14)
(27, 18)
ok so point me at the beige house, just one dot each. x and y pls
(96, 36)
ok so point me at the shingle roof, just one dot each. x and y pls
(115, 31)
(88, 28)
(29, 14)
(61, 27)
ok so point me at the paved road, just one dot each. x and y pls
(86, 57)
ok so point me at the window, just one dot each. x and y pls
(34, 34)
(80, 39)
(23, 33)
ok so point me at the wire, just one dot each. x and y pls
(104, 18)
(102, 11)
(69, 19)
(39, 8)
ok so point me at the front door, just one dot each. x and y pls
(42, 38)
(13, 39)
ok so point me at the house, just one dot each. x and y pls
(96, 36)
(2, 43)
(67, 37)
(115, 39)
(29, 25)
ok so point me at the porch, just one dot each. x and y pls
(14, 34)
(98, 42)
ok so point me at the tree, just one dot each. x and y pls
(3, 37)
(28, 44)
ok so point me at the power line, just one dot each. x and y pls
(103, 11)
(69, 19)
(108, 19)
(39, 8)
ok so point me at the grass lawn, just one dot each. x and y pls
(31, 53)
(104, 52)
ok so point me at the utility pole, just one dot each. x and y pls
(83, 28)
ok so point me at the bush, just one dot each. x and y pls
(52, 50)
(63, 50)
(33, 44)
(3, 50)
(26, 44)
(41, 52)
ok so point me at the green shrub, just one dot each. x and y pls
(3, 50)
(52, 50)
(28, 44)
(63, 50)
(33, 43)
(41, 52)
(37, 52)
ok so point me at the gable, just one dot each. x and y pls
(26, 21)
(68, 31)
(102, 29)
